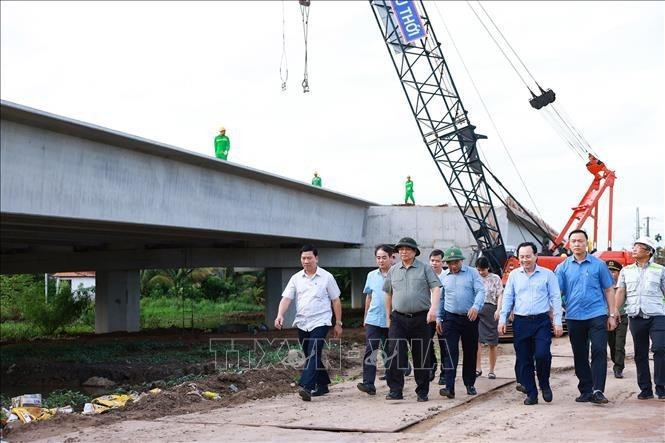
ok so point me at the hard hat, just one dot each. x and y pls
(646, 241)
(614, 265)
(222, 129)
(409, 242)
(453, 253)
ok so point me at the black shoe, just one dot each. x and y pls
(471, 390)
(394, 395)
(320, 390)
(531, 400)
(584, 398)
(618, 373)
(599, 398)
(305, 394)
(432, 374)
(520, 388)
(407, 371)
(645, 395)
(661, 396)
(547, 394)
(447, 393)
(383, 377)
(442, 380)
(422, 397)
(369, 389)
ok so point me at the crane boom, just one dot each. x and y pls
(441, 118)
(603, 178)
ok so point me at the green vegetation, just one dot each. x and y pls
(64, 397)
(202, 298)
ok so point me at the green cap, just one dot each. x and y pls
(453, 253)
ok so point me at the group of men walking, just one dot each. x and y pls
(406, 297)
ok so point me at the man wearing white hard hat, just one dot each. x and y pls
(642, 284)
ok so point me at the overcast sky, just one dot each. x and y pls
(174, 72)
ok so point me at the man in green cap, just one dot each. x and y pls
(412, 293)
(458, 320)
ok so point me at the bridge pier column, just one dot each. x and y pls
(358, 277)
(117, 306)
(276, 280)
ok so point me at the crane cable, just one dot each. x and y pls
(283, 64)
(573, 137)
(304, 12)
(487, 111)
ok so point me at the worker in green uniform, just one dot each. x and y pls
(409, 191)
(316, 180)
(222, 144)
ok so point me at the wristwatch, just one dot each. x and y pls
(339, 323)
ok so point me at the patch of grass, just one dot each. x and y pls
(17, 330)
(156, 312)
(63, 397)
(164, 312)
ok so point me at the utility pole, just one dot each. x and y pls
(648, 225)
(637, 222)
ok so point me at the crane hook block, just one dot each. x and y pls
(304, 2)
(542, 100)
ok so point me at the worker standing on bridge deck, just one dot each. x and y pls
(316, 180)
(222, 144)
(408, 187)
(315, 291)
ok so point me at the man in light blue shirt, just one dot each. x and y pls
(586, 284)
(531, 291)
(376, 326)
(458, 319)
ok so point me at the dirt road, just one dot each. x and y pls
(496, 414)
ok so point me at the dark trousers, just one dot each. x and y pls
(532, 340)
(642, 330)
(456, 327)
(404, 332)
(375, 340)
(312, 343)
(432, 355)
(616, 340)
(581, 332)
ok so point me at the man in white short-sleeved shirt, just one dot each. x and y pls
(316, 295)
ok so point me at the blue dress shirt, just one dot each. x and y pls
(531, 294)
(583, 287)
(376, 313)
(463, 291)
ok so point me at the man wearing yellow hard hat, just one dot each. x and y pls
(222, 144)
